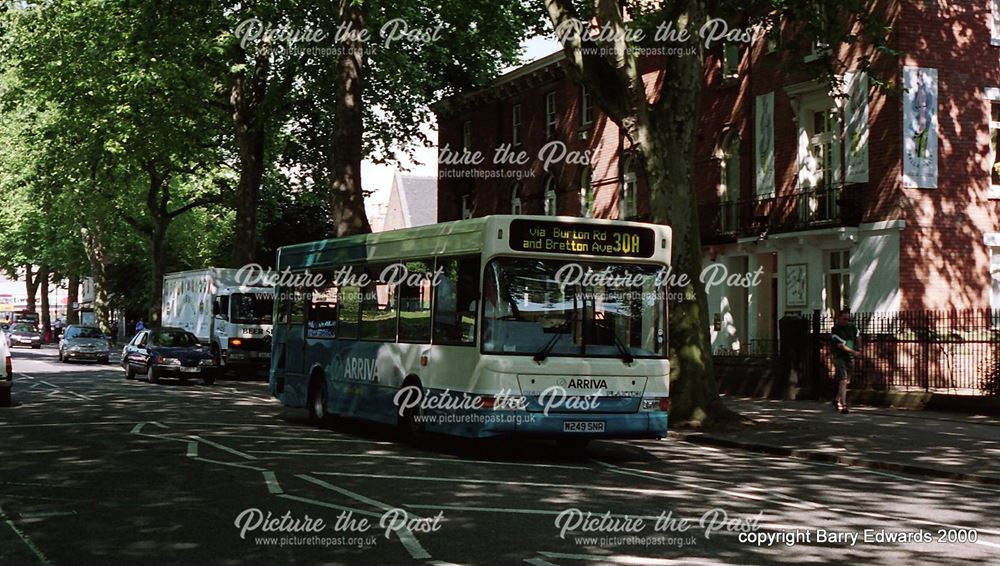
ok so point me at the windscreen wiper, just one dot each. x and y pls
(622, 349)
(544, 352)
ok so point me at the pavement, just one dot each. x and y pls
(943, 445)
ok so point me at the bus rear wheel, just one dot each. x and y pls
(411, 428)
(319, 400)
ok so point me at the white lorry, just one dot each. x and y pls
(234, 319)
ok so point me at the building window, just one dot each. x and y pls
(820, 44)
(630, 187)
(587, 193)
(466, 207)
(586, 107)
(467, 135)
(730, 189)
(551, 203)
(515, 125)
(823, 160)
(838, 281)
(995, 145)
(995, 22)
(730, 61)
(550, 115)
(515, 199)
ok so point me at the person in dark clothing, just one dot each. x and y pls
(846, 345)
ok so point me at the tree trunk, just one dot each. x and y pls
(347, 203)
(31, 287)
(43, 285)
(72, 297)
(158, 244)
(251, 149)
(99, 259)
(669, 153)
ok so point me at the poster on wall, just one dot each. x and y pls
(856, 127)
(796, 285)
(764, 143)
(920, 128)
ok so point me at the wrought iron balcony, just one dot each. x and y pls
(809, 209)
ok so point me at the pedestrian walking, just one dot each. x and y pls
(846, 345)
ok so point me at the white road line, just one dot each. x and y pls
(518, 511)
(24, 537)
(404, 457)
(637, 491)
(329, 505)
(806, 504)
(410, 542)
(272, 483)
(329, 439)
(635, 559)
(539, 562)
(223, 447)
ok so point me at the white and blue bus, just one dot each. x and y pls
(526, 325)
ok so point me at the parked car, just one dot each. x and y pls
(84, 343)
(168, 352)
(6, 373)
(24, 334)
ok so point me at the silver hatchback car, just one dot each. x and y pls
(84, 343)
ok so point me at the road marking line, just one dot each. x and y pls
(24, 537)
(633, 559)
(272, 483)
(811, 505)
(232, 451)
(330, 505)
(506, 482)
(410, 542)
(404, 457)
(46, 514)
(330, 439)
(518, 511)
(192, 450)
(538, 562)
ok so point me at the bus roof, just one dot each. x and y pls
(451, 238)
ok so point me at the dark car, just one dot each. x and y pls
(24, 334)
(84, 343)
(168, 352)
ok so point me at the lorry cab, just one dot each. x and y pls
(242, 321)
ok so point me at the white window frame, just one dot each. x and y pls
(586, 107)
(730, 183)
(587, 193)
(467, 135)
(628, 206)
(550, 115)
(842, 274)
(515, 199)
(994, 22)
(466, 207)
(992, 96)
(551, 201)
(515, 124)
(731, 61)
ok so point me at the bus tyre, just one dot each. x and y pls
(319, 400)
(152, 375)
(412, 429)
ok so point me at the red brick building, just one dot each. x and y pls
(879, 199)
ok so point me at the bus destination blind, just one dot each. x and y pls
(582, 239)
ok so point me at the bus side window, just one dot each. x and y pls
(378, 308)
(348, 311)
(415, 303)
(323, 313)
(456, 300)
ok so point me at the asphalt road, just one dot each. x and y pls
(95, 469)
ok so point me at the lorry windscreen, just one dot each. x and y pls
(250, 308)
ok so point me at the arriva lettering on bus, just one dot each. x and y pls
(586, 383)
(360, 369)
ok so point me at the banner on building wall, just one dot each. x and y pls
(856, 128)
(920, 128)
(764, 143)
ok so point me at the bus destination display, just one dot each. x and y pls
(583, 239)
